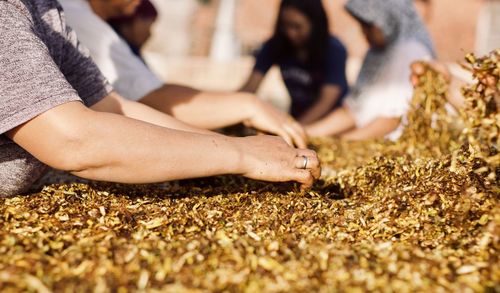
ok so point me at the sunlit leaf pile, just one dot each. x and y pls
(420, 214)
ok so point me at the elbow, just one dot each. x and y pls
(72, 149)
(71, 154)
(64, 138)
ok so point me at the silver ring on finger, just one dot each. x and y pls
(306, 162)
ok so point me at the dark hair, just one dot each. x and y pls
(145, 10)
(317, 45)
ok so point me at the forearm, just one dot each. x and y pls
(253, 83)
(336, 123)
(328, 98)
(218, 110)
(201, 109)
(455, 97)
(155, 154)
(110, 147)
(379, 128)
(118, 105)
(318, 111)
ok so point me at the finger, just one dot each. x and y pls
(415, 80)
(305, 178)
(306, 152)
(296, 137)
(301, 162)
(285, 136)
(296, 126)
(301, 131)
(313, 165)
(443, 69)
(418, 68)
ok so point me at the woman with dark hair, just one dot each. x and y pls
(380, 99)
(312, 61)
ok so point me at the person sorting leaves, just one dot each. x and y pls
(59, 111)
(381, 96)
(311, 60)
(133, 80)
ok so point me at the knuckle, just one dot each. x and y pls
(312, 154)
(315, 163)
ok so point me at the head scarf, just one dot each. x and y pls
(399, 22)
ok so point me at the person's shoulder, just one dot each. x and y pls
(336, 44)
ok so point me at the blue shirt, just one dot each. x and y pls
(304, 81)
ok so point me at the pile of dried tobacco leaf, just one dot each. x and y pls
(421, 214)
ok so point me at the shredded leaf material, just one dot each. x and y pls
(421, 214)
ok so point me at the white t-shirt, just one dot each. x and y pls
(130, 77)
(390, 95)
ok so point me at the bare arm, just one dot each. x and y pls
(334, 124)
(202, 109)
(253, 83)
(378, 128)
(329, 95)
(116, 104)
(110, 147)
(456, 98)
(210, 110)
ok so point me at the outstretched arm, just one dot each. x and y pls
(378, 128)
(211, 110)
(329, 96)
(336, 123)
(110, 147)
(253, 83)
(116, 104)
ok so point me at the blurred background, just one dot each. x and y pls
(209, 44)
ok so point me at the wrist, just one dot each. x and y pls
(250, 105)
(235, 156)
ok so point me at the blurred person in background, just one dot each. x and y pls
(311, 60)
(487, 40)
(135, 29)
(380, 98)
(132, 79)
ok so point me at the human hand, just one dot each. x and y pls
(418, 70)
(266, 118)
(271, 159)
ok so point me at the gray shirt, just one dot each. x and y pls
(42, 66)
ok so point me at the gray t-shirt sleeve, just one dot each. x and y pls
(31, 82)
(81, 71)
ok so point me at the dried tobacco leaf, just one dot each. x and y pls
(420, 214)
